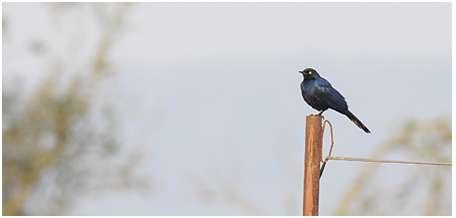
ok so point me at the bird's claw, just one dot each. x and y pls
(320, 115)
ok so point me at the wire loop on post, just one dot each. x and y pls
(331, 146)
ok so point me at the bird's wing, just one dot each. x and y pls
(325, 92)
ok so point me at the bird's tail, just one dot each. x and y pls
(358, 122)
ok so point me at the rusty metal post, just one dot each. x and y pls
(312, 165)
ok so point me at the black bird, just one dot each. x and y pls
(320, 95)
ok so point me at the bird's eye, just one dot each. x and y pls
(310, 72)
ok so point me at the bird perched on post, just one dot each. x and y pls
(320, 95)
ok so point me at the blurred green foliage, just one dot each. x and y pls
(405, 190)
(53, 145)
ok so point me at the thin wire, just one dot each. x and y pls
(369, 160)
(331, 146)
(366, 160)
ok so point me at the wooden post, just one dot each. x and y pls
(312, 165)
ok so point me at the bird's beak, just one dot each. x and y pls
(301, 72)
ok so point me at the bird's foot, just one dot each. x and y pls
(321, 115)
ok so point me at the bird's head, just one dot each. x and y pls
(309, 74)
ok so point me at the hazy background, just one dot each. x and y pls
(195, 109)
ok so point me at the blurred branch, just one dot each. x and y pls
(226, 192)
(113, 25)
(50, 135)
(423, 140)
